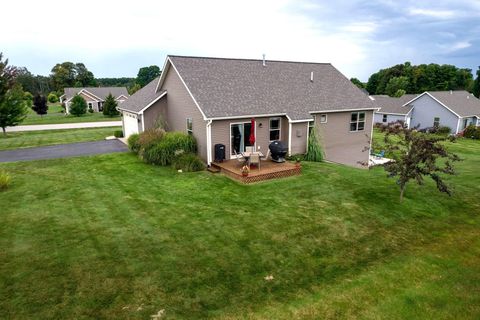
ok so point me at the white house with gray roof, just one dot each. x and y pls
(453, 109)
(94, 96)
(215, 99)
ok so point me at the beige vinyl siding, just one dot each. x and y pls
(221, 133)
(339, 144)
(154, 112)
(299, 137)
(180, 107)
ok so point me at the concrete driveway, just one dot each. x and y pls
(63, 151)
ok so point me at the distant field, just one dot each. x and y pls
(25, 139)
(55, 115)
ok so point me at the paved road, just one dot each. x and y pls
(77, 125)
(63, 151)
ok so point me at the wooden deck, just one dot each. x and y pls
(268, 170)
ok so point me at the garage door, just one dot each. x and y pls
(130, 123)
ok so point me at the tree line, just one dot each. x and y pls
(407, 78)
(69, 74)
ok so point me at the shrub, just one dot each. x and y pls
(78, 106)
(314, 150)
(188, 162)
(52, 97)
(110, 106)
(118, 133)
(148, 138)
(90, 109)
(171, 146)
(472, 132)
(444, 130)
(5, 180)
(133, 143)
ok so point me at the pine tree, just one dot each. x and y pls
(78, 106)
(110, 106)
(40, 104)
(476, 85)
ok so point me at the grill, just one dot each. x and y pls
(278, 151)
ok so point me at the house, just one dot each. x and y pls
(453, 109)
(392, 109)
(94, 96)
(215, 99)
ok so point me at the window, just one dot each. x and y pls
(384, 119)
(274, 129)
(311, 125)
(100, 106)
(90, 105)
(323, 118)
(190, 126)
(357, 121)
(436, 121)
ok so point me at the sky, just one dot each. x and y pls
(116, 38)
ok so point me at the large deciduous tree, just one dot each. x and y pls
(110, 106)
(69, 74)
(13, 105)
(476, 85)
(147, 74)
(40, 104)
(78, 106)
(416, 155)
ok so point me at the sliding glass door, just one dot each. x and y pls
(239, 137)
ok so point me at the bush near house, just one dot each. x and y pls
(441, 130)
(170, 146)
(188, 162)
(472, 132)
(149, 138)
(52, 97)
(133, 143)
(78, 106)
(118, 133)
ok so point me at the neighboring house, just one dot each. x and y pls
(454, 109)
(94, 96)
(214, 99)
(392, 109)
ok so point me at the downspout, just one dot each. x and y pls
(209, 142)
(289, 138)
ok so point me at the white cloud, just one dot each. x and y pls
(431, 13)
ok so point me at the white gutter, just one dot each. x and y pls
(289, 138)
(209, 142)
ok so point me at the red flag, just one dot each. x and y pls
(252, 133)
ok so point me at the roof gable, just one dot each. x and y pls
(100, 93)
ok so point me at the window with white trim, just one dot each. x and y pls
(385, 118)
(275, 129)
(190, 126)
(323, 118)
(436, 122)
(357, 121)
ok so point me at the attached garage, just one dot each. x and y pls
(131, 123)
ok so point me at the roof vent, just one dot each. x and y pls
(311, 76)
(451, 92)
(468, 97)
(264, 64)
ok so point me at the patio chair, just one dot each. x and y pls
(265, 157)
(255, 160)
(250, 149)
(240, 158)
(381, 154)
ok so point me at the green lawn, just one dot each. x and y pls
(25, 139)
(109, 237)
(55, 115)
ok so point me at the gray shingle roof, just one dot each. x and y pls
(389, 104)
(142, 97)
(101, 92)
(242, 87)
(462, 102)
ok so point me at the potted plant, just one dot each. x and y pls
(297, 162)
(245, 170)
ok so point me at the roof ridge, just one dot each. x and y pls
(249, 59)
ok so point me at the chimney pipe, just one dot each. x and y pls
(451, 92)
(311, 76)
(264, 59)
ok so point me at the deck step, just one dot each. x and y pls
(213, 169)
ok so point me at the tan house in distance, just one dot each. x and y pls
(94, 96)
(215, 99)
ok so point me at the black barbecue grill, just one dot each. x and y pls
(278, 151)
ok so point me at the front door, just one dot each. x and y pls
(240, 136)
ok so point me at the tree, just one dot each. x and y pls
(78, 106)
(52, 97)
(147, 74)
(395, 84)
(134, 88)
(28, 98)
(110, 106)
(476, 85)
(416, 155)
(399, 93)
(13, 108)
(358, 83)
(69, 74)
(40, 104)
(7, 76)
(314, 149)
(84, 76)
